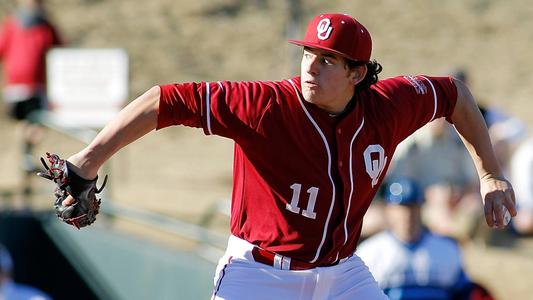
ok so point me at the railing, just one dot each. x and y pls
(210, 242)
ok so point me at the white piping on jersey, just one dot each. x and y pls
(208, 106)
(329, 170)
(351, 182)
(434, 98)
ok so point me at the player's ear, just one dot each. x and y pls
(358, 74)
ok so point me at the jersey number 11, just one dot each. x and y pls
(293, 206)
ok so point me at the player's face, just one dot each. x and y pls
(326, 81)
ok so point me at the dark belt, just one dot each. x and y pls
(282, 262)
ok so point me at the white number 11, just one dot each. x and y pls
(293, 206)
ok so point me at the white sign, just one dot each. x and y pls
(86, 87)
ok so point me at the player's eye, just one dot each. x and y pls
(327, 61)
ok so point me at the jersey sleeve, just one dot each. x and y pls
(229, 109)
(417, 100)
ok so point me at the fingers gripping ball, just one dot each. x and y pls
(506, 216)
(84, 207)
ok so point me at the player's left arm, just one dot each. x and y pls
(496, 191)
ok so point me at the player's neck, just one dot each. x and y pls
(346, 108)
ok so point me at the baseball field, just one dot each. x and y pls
(181, 173)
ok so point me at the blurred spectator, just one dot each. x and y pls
(9, 290)
(506, 132)
(25, 37)
(490, 114)
(506, 136)
(437, 160)
(451, 212)
(522, 176)
(407, 260)
(433, 155)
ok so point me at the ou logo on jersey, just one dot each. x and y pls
(323, 29)
(374, 167)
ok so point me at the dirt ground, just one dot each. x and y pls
(181, 173)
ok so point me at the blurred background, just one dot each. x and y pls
(165, 217)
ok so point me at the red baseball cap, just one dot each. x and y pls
(340, 34)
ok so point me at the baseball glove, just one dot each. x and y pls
(83, 211)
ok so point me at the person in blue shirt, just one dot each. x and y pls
(10, 290)
(407, 260)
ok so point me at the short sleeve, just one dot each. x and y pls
(230, 109)
(413, 101)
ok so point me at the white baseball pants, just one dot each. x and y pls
(238, 277)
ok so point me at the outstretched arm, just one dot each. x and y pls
(496, 191)
(134, 121)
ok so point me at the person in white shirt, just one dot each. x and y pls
(522, 173)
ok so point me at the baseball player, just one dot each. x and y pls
(407, 260)
(310, 153)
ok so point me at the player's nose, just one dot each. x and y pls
(311, 65)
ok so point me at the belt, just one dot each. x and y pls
(281, 262)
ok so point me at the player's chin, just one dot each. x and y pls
(310, 96)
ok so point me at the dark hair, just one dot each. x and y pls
(373, 69)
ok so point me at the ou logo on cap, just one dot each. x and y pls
(324, 29)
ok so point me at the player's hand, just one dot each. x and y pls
(79, 165)
(76, 161)
(498, 196)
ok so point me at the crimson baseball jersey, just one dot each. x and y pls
(303, 179)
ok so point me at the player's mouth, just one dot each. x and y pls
(311, 84)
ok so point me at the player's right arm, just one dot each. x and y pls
(227, 109)
(134, 121)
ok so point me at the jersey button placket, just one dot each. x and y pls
(339, 132)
